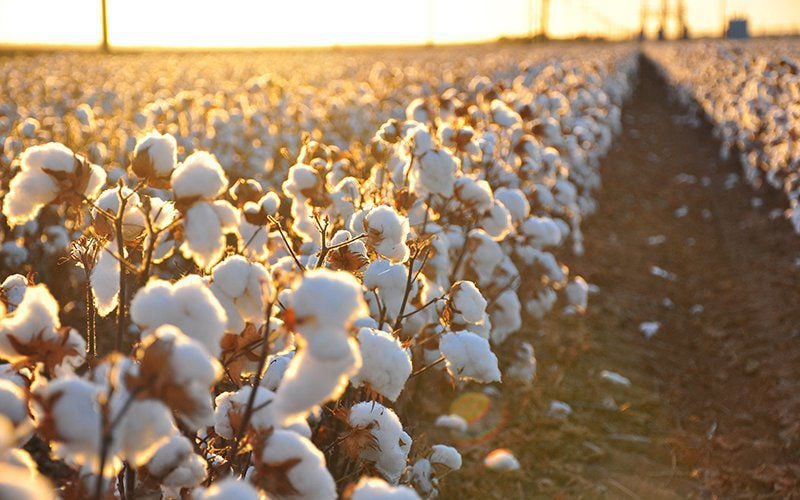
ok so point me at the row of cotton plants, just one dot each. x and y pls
(750, 93)
(235, 336)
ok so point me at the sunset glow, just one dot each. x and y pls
(249, 23)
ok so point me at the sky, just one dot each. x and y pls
(244, 23)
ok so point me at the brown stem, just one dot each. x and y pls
(123, 273)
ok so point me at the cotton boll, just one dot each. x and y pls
(467, 302)
(485, 254)
(523, 367)
(433, 173)
(373, 488)
(542, 304)
(497, 221)
(390, 282)
(188, 304)
(474, 194)
(325, 303)
(446, 456)
(577, 292)
(36, 318)
(393, 444)
(506, 317)
(452, 422)
(309, 381)
(204, 236)
(14, 407)
(200, 176)
(307, 478)
(541, 232)
(240, 287)
(515, 201)
(13, 254)
(67, 412)
(276, 368)
(302, 182)
(177, 466)
(501, 460)
(104, 280)
(145, 426)
(386, 365)
(421, 475)
(387, 232)
(229, 488)
(18, 484)
(155, 156)
(469, 357)
(503, 115)
(13, 291)
(133, 219)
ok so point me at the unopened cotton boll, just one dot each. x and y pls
(387, 232)
(386, 365)
(469, 357)
(373, 488)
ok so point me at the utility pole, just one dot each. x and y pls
(545, 17)
(105, 47)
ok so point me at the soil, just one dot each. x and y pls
(714, 396)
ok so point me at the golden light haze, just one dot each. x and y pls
(248, 23)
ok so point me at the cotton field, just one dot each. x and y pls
(219, 283)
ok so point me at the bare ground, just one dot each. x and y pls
(712, 410)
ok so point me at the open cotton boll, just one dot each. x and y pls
(542, 304)
(13, 254)
(47, 171)
(374, 488)
(229, 488)
(231, 406)
(515, 201)
(467, 301)
(325, 303)
(302, 182)
(14, 406)
(497, 221)
(13, 291)
(133, 219)
(505, 315)
(188, 304)
(104, 280)
(541, 232)
(276, 368)
(387, 232)
(474, 194)
(469, 357)
(393, 444)
(452, 422)
(155, 156)
(501, 460)
(204, 231)
(17, 483)
(309, 382)
(240, 287)
(390, 282)
(485, 254)
(145, 426)
(503, 115)
(386, 365)
(523, 367)
(577, 292)
(307, 476)
(177, 465)
(433, 173)
(67, 413)
(200, 176)
(421, 475)
(179, 371)
(36, 318)
(446, 456)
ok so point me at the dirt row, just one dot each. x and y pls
(712, 407)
